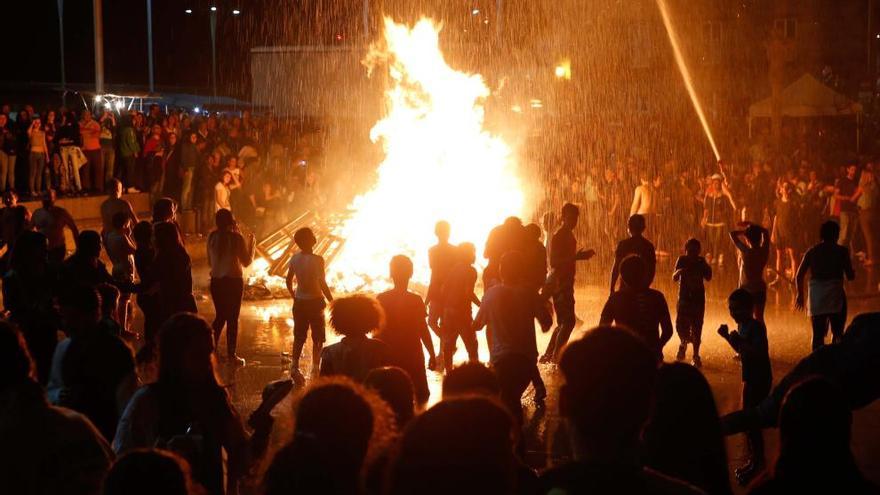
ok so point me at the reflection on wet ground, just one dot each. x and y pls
(265, 338)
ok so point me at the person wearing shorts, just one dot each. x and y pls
(309, 300)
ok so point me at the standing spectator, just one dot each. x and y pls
(683, 437)
(108, 145)
(405, 329)
(635, 244)
(152, 158)
(845, 192)
(564, 256)
(223, 192)
(72, 158)
(7, 154)
(129, 151)
(509, 310)
(639, 308)
(308, 299)
(754, 245)
(97, 369)
(172, 171)
(354, 317)
(828, 263)
(114, 204)
(120, 249)
(617, 367)
(441, 259)
(92, 173)
(749, 340)
(690, 272)
(458, 297)
(147, 299)
(785, 230)
(46, 449)
(187, 403)
(50, 220)
(228, 254)
(868, 199)
(27, 295)
(39, 156)
(173, 273)
(189, 161)
(718, 208)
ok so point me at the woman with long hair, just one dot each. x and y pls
(187, 410)
(228, 254)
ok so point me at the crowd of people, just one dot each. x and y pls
(78, 418)
(255, 166)
(88, 404)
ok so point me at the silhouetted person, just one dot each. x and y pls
(109, 306)
(339, 429)
(535, 255)
(96, 369)
(28, 289)
(814, 449)
(753, 244)
(115, 204)
(84, 267)
(683, 437)
(405, 330)
(750, 341)
(354, 317)
(120, 249)
(188, 411)
(459, 446)
(509, 311)
(616, 366)
(639, 308)
(51, 220)
(308, 300)
(147, 472)
(564, 256)
(148, 299)
(173, 270)
(45, 449)
(441, 258)
(459, 296)
(690, 272)
(228, 254)
(394, 386)
(828, 264)
(472, 378)
(635, 244)
(850, 364)
(501, 240)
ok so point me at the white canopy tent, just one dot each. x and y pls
(807, 97)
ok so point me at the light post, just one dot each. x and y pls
(212, 19)
(61, 48)
(150, 45)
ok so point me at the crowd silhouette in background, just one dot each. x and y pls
(77, 415)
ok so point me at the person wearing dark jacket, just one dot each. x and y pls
(173, 270)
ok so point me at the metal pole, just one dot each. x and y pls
(150, 45)
(61, 48)
(99, 45)
(214, 53)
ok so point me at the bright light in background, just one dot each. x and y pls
(536, 103)
(197, 109)
(475, 11)
(189, 11)
(440, 163)
(213, 9)
(97, 98)
(236, 12)
(120, 104)
(563, 69)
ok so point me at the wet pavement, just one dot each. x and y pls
(265, 336)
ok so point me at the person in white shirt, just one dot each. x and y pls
(308, 300)
(223, 191)
(228, 254)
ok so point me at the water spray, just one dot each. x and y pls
(686, 75)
